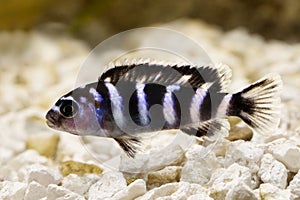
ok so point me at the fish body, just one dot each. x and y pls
(142, 97)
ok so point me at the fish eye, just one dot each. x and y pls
(68, 108)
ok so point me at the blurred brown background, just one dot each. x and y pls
(95, 20)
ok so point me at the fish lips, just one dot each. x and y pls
(53, 119)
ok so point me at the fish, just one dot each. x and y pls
(143, 96)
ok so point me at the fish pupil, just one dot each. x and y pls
(68, 108)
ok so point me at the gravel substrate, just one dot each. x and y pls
(37, 162)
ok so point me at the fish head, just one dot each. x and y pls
(80, 113)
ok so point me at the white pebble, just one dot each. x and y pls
(223, 180)
(132, 191)
(5, 154)
(199, 196)
(175, 191)
(35, 191)
(79, 184)
(198, 168)
(241, 191)
(41, 174)
(271, 192)
(28, 157)
(244, 153)
(55, 192)
(287, 152)
(10, 170)
(12, 190)
(294, 185)
(273, 171)
(153, 161)
(108, 185)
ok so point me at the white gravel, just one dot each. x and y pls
(37, 68)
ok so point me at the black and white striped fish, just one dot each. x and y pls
(123, 102)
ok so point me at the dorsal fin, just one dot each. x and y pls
(144, 71)
(224, 77)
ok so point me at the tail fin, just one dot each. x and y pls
(259, 104)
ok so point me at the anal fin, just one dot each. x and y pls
(209, 128)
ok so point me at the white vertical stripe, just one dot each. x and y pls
(116, 107)
(142, 103)
(196, 102)
(222, 109)
(168, 104)
(96, 94)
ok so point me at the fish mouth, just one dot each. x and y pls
(52, 120)
(50, 124)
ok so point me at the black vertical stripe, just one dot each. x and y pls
(206, 108)
(154, 96)
(155, 93)
(103, 90)
(210, 105)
